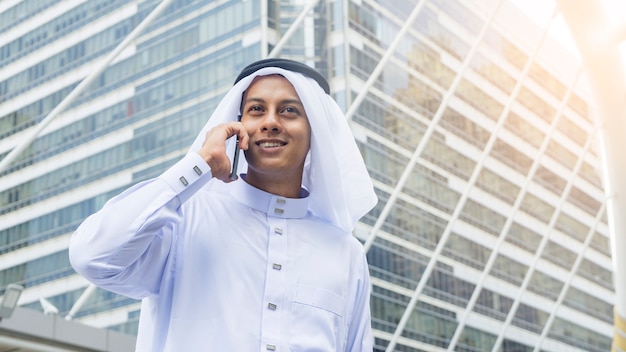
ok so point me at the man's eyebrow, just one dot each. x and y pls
(285, 101)
(260, 100)
(292, 101)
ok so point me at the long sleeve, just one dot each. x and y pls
(125, 247)
(359, 337)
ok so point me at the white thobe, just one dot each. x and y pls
(237, 269)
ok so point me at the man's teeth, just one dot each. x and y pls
(270, 144)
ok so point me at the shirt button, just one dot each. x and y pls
(278, 231)
(270, 347)
(276, 266)
(271, 306)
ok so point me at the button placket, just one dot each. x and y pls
(275, 281)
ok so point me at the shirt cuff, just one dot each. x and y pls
(187, 176)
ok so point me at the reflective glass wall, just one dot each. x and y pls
(490, 233)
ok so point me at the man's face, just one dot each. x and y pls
(279, 130)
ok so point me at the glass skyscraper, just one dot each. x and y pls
(490, 233)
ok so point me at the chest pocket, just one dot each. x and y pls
(319, 298)
(316, 320)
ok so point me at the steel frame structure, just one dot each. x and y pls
(464, 196)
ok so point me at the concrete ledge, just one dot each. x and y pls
(34, 331)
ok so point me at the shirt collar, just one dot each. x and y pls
(271, 204)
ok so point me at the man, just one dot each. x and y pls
(266, 262)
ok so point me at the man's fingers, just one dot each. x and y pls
(214, 152)
(244, 139)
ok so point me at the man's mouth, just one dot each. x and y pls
(270, 144)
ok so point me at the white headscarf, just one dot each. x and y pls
(340, 188)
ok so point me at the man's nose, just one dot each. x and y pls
(271, 122)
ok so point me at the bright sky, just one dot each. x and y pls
(540, 10)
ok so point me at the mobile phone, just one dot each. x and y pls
(233, 173)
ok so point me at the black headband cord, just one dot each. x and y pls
(288, 65)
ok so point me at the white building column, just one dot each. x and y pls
(597, 40)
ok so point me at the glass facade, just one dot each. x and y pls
(490, 233)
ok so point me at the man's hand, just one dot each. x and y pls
(214, 152)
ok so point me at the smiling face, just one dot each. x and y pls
(280, 135)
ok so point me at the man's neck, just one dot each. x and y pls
(288, 188)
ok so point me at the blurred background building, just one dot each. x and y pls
(475, 124)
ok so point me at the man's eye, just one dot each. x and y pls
(290, 110)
